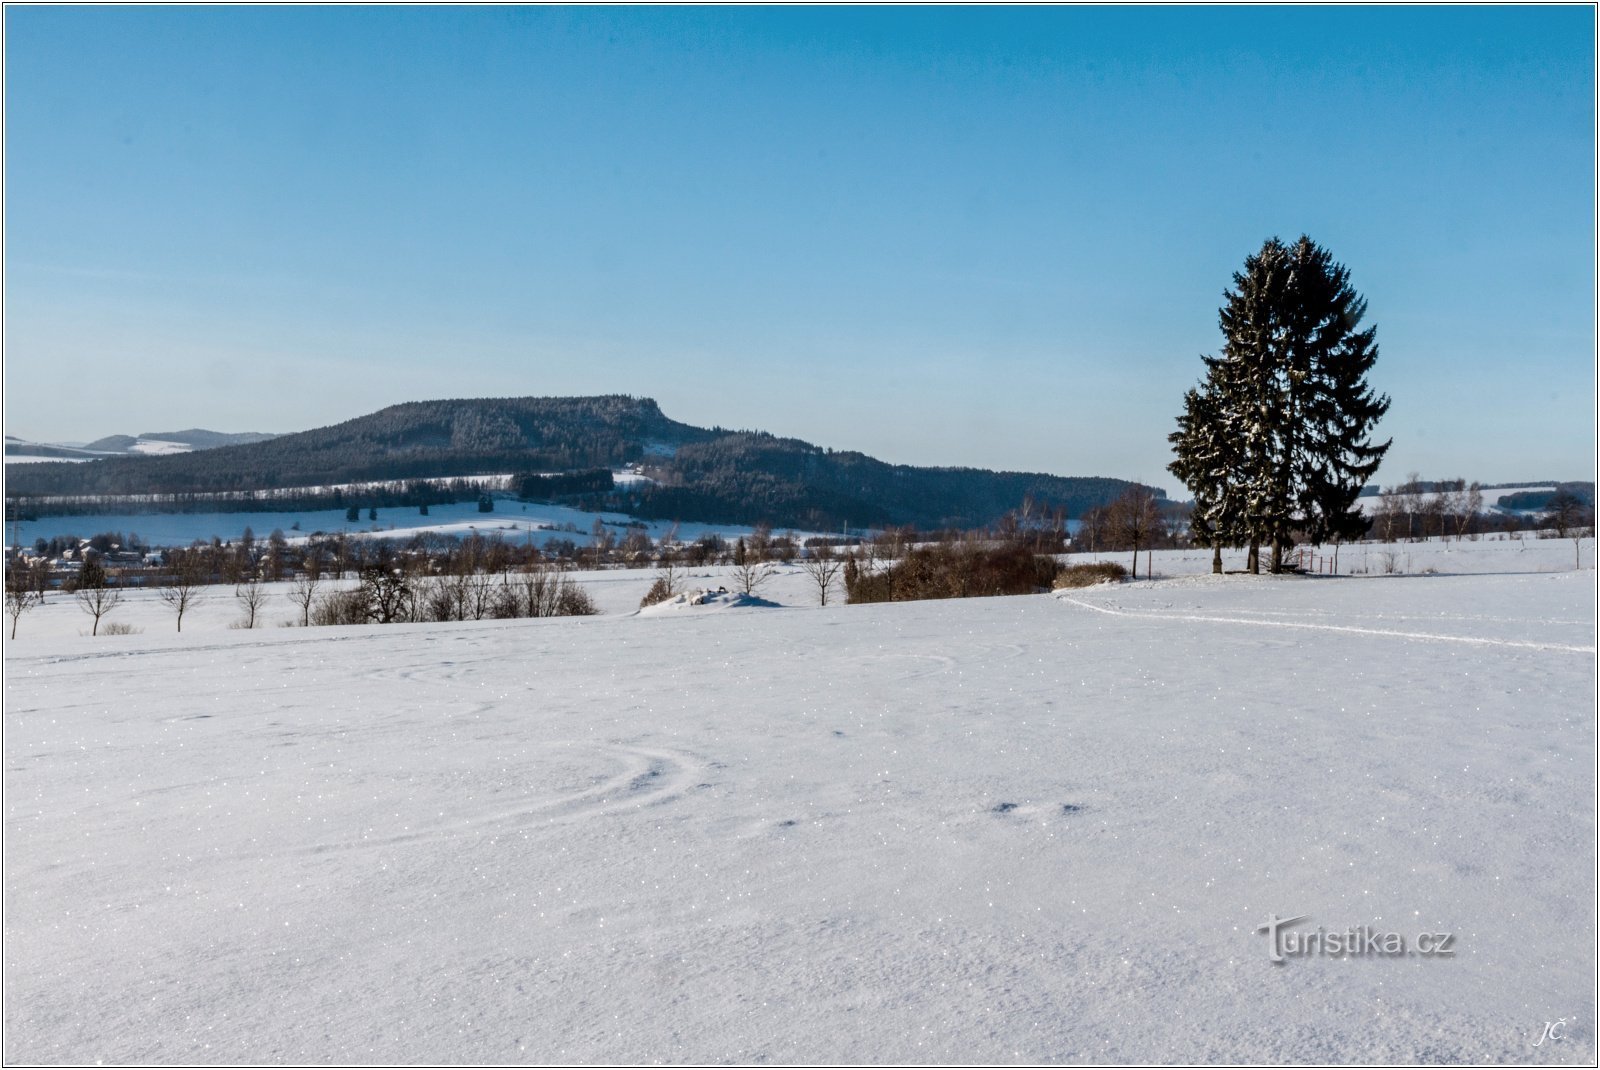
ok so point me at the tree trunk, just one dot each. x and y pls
(1135, 560)
(1254, 561)
(1216, 558)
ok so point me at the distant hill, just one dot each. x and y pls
(112, 444)
(17, 448)
(199, 439)
(158, 442)
(149, 443)
(694, 474)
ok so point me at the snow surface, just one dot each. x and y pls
(1528, 552)
(704, 600)
(1037, 828)
(155, 447)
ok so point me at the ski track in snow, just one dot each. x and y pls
(1433, 637)
(636, 778)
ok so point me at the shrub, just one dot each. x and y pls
(1090, 574)
(952, 570)
(659, 591)
(121, 628)
(340, 607)
(575, 602)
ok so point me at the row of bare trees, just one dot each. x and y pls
(392, 595)
(1453, 508)
(391, 590)
(1135, 521)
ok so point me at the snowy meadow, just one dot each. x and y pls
(1040, 828)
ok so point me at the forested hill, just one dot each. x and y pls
(414, 440)
(699, 474)
(750, 477)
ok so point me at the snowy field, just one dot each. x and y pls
(1037, 828)
(1487, 554)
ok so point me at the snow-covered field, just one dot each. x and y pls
(1038, 828)
(1489, 553)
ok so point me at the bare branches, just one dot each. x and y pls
(303, 593)
(184, 588)
(21, 594)
(94, 592)
(251, 596)
(823, 566)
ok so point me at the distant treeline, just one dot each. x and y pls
(1529, 500)
(544, 487)
(415, 492)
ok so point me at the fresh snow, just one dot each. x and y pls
(1037, 828)
(155, 447)
(704, 600)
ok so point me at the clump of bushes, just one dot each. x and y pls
(950, 570)
(659, 591)
(1090, 574)
(341, 607)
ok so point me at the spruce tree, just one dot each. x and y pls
(1276, 439)
(1336, 410)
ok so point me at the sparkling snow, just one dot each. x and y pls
(1037, 828)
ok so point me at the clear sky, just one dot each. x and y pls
(992, 237)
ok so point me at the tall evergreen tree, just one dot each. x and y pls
(1277, 438)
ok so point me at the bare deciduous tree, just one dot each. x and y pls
(94, 592)
(1408, 496)
(1566, 511)
(303, 593)
(1472, 506)
(749, 574)
(386, 593)
(20, 594)
(823, 566)
(39, 576)
(1386, 516)
(1136, 518)
(251, 596)
(184, 587)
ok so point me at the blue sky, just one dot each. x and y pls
(992, 237)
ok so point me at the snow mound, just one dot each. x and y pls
(702, 601)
